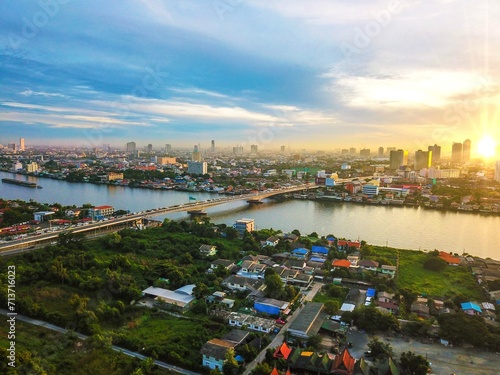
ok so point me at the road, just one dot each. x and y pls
(280, 337)
(130, 353)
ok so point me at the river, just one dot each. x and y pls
(400, 227)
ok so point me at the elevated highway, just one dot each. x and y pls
(106, 226)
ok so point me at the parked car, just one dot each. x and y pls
(280, 321)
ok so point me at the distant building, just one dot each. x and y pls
(398, 158)
(21, 144)
(466, 151)
(423, 159)
(168, 148)
(208, 250)
(253, 149)
(243, 225)
(32, 167)
(352, 150)
(282, 149)
(163, 160)
(456, 152)
(131, 147)
(436, 152)
(364, 153)
(112, 176)
(150, 148)
(100, 212)
(497, 171)
(380, 151)
(197, 167)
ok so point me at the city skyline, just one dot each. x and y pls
(321, 75)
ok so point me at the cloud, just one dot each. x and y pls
(42, 93)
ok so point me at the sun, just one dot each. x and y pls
(487, 147)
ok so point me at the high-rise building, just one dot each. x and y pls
(253, 149)
(436, 152)
(380, 151)
(197, 167)
(352, 150)
(345, 151)
(21, 144)
(212, 146)
(389, 149)
(456, 152)
(238, 150)
(283, 148)
(168, 148)
(244, 225)
(11, 146)
(131, 147)
(423, 159)
(365, 152)
(466, 151)
(196, 155)
(150, 148)
(398, 158)
(497, 171)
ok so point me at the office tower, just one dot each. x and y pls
(131, 147)
(168, 148)
(197, 167)
(283, 149)
(365, 152)
(436, 152)
(253, 149)
(456, 152)
(212, 146)
(21, 144)
(423, 159)
(345, 151)
(352, 151)
(238, 150)
(380, 151)
(196, 154)
(150, 148)
(497, 171)
(398, 158)
(466, 151)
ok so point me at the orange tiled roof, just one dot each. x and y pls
(344, 361)
(282, 351)
(450, 259)
(275, 372)
(341, 263)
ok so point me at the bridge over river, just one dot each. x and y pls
(118, 223)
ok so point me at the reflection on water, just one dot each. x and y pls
(401, 227)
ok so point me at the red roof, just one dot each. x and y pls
(450, 259)
(102, 207)
(275, 372)
(344, 363)
(282, 351)
(348, 243)
(341, 263)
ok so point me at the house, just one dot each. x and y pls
(75, 212)
(251, 322)
(341, 263)
(236, 336)
(290, 237)
(308, 322)
(177, 300)
(214, 353)
(300, 253)
(220, 298)
(369, 265)
(385, 297)
(420, 309)
(208, 250)
(272, 241)
(471, 308)
(235, 282)
(388, 270)
(319, 251)
(303, 280)
(449, 259)
(353, 260)
(270, 306)
(295, 264)
(343, 245)
(226, 263)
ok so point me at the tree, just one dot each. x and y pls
(262, 369)
(200, 290)
(314, 342)
(331, 307)
(274, 284)
(414, 364)
(433, 263)
(380, 350)
(230, 365)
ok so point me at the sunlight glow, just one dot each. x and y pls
(487, 147)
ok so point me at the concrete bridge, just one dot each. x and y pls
(136, 218)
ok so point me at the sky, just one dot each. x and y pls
(316, 74)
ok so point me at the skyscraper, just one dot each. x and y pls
(352, 150)
(168, 148)
(456, 152)
(365, 153)
(466, 151)
(497, 171)
(150, 148)
(283, 148)
(423, 159)
(212, 146)
(253, 149)
(398, 158)
(380, 151)
(131, 147)
(196, 155)
(436, 152)
(21, 144)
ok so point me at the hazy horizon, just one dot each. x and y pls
(318, 75)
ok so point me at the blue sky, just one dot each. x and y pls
(322, 74)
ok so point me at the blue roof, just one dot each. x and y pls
(331, 238)
(300, 251)
(319, 250)
(239, 358)
(370, 292)
(471, 306)
(316, 259)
